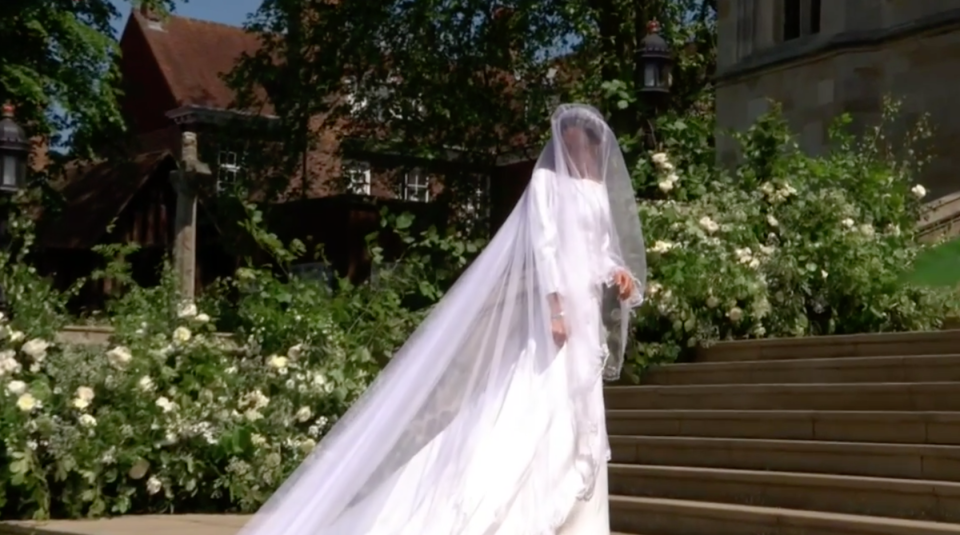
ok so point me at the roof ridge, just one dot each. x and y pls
(136, 13)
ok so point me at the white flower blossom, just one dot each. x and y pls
(84, 398)
(867, 230)
(16, 336)
(202, 318)
(36, 349)
(735, 314)
(665, 185)
(181, 335)
(165, 404)
(8, 362)
(659, 158)
(87, 420)
(119, 356)
(257, 439)
(661, 246)
(277, 362)
(712, 302)
(304, 414)
(295, 351)
(307, 445)
(847, 222)
(16, 387)
(772, 221)
(919, 191)
(187, 310)
(26, 402)
(709, 224)
(154, 485)
(146, 384)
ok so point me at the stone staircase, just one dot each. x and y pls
(846, 435)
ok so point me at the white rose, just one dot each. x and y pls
(85, 393)
(867, 230)
(165, 404)
(154, 485)
(26, 402)
(735, 314)
(712, 302)
(181, 335)
(304, 414)
(277, 362)
(709, 224)
(187, 310)
(119, 356)
(661, 246)
(847, 223)
(87, 420)
(36, 348)
(919, 191)
(773, 221)
(659, 158)
(16, 387)
(665, 185)
(202, 318)
(16, 336)
(146, 384)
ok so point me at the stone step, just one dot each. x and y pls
(849, 345)
(908, 461)
(901, 498)
(663, 516)
(837, 396)
(912, 369)
(837, 426)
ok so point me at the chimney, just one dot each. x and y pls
(148, 13)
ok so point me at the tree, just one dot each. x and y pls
(464, 81)
(58, 66)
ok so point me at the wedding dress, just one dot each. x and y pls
(481, 424)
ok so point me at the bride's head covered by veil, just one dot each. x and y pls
(582, 146)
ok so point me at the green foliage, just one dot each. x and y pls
(58, 67)
(785, 244)
(172, 416)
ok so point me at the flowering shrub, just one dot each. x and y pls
(172, 416)
(785, 244)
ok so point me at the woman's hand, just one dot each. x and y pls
(624, 282)
(558, 328)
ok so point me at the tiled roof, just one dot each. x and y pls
(94, 196)
(195, 54)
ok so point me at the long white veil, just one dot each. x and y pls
(481, 425)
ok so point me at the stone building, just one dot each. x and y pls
(823, 58)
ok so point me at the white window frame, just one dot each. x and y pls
(416, 186)
(358, 176)
(229, 167)
(479, 203)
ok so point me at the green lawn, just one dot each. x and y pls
(938, 266)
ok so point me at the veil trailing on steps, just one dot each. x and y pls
(481, 425)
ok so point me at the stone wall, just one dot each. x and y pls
(865, 49)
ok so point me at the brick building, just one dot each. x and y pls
(172, 70)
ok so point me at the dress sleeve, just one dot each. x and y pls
(544, 230)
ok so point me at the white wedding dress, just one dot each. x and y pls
(481, 425)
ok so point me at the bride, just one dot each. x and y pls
(490, 419)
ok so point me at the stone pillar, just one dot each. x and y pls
(186, 179)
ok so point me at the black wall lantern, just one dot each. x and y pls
(14, 152)
(657, 61)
